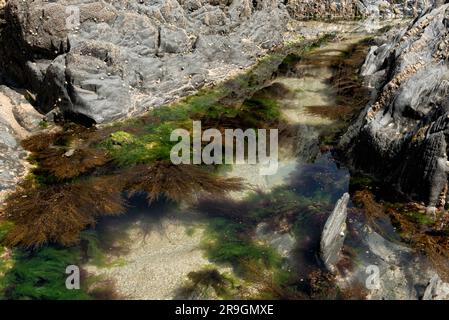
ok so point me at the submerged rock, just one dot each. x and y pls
(282, 242)
(334, 234)
(436, 290)
(385, 268)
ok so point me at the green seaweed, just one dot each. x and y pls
(5, 227)
(225, 243)
(358, 182)
(209, 283)
(41, 275)
(96, 254)
(154, 145)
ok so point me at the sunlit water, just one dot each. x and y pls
(163, 243)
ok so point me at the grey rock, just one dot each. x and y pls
(437, 289)
(306, 9)
(174, 40)
(18, 119)
(401, 136)
(334, 233)
(385, 267)
(127, 56)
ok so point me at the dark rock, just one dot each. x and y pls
(401, 136)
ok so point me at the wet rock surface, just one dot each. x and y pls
(334, 233)
(437, 289)
(401, 135)
(383, 266)
(18, 119)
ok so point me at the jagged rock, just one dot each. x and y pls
(334, 234)
(306, 9)
(436, 290)
(401, 136)
(125, 57)
(384, 267)
(174, 40)
(18, 119)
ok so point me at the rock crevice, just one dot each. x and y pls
(401, 136)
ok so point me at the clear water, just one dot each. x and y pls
(161, 243)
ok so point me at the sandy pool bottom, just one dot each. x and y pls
(158, 262)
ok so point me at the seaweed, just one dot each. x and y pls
(70, 164)
(94, 251)
(154, 145)
(208, 283)
(41, 275)
(271, 285)
(177, 182)
(415, 227)
(228, 242)
(58, 213)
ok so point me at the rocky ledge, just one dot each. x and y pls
(18, 119)
(401, 136)
(98, 61)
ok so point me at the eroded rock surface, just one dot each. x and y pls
(401, 137)
(436, 290)
(106, 60)
(304, 9)
(18, 119)
(334, 233)
(128, 56)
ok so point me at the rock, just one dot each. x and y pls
(335, 9)
(174, 40)
(436, 290)
(401, 136)
(18, 119)
(332, 239)
(69, 153)
(283, 242)
(121, 58)
(402, 273)
(125, 57)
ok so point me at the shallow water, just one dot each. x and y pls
(159, 245)
(163, 243)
